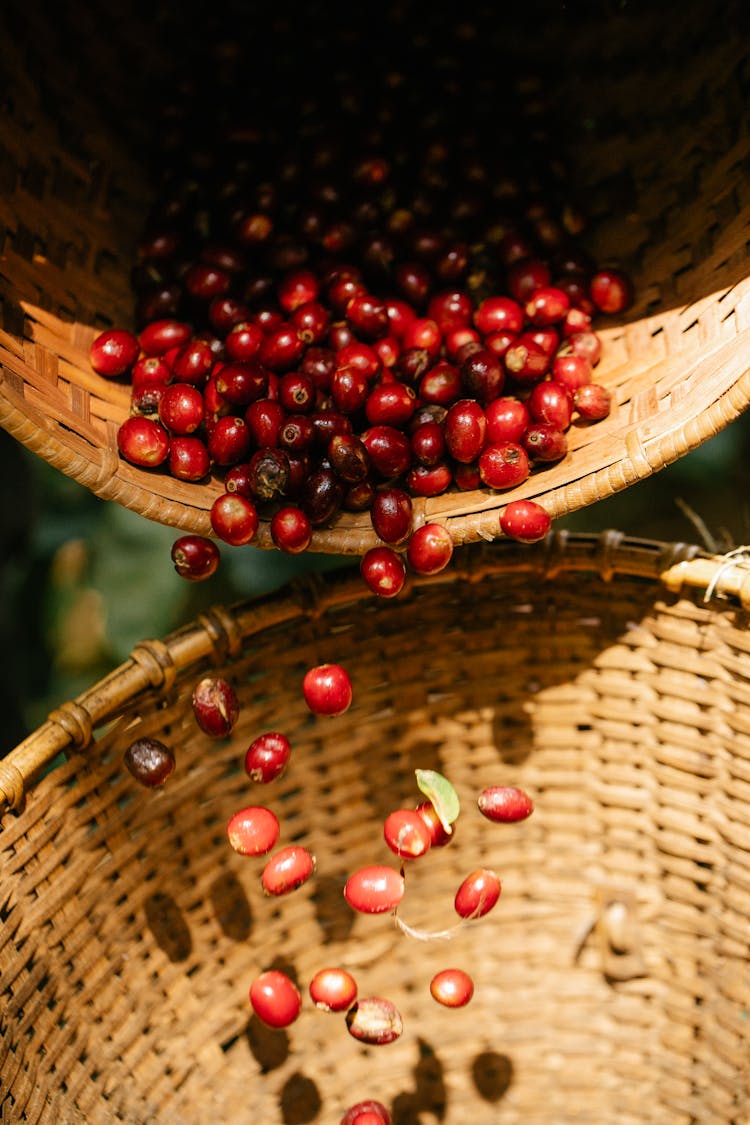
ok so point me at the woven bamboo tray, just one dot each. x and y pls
(607, 676)
(656, 103)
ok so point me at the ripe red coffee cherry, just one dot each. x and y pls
(267, 757)
(525, 520)
(243, 341)
(234, 518)
(571, 371)
(507, 419)
(253, 831)
(482, 375)
(383, 571)
(592, 402)
(189, 458)
(611, 290)
(143, 441)
(215, 706)
(477, 894)
(503, 465)
(181, 408)
(195, 557)
(150, 370)
(374, 889)
(465, 430)
(526, 362)
(150, 761)
(406, 833)
(439, 836)
(353, 1115)
(544, 442)
(291, 530)
(333, 989)
(327, 689)
(160, 335)
(505, 803)
(374, 1020)
(388, 450)
(113, 352)
(275, 998)
(547, 305)
(390, 404)
(430, 549)
(287, 869)
(192, 362)
(391, 514)
(499, 314)
(452, 987)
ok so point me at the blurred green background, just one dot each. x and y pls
(82, 580)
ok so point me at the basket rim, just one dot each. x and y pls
(220, 632)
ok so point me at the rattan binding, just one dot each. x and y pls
(607, 676)
(657, 103)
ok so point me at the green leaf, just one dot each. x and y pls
(442, 794)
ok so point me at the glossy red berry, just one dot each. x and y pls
(592, 402)
(453, 988)
(544, 442)
(611, 290)
(189, 458)
(150, 761)
(507, 419)
(406, 833)
(391, 515)
(195, 557)
(505, 803)
(253, 830)
(267, 757)
(547, 305)
(234, 518)
(287, 869)
(525, 520)
(383, 571)
(477, 894)
(327, 689)
(215, 706)
(430, 549)
(439, 835)
(275, 998)
(333, 989)
(503, 465)
(499, 314)
(159, 336)
(181, 408)
(374, 1020)
(465, 430)
(291, 530)
(374, 889)
(143, 441)
(113, 352)
(354, 1114)
(550, 402)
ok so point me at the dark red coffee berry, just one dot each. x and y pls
(113, 352)
(291, 530)
(543, 442)
(611, 290)
(253, 831)
(482, 375)
(189, 458)
(453, 988)
(150, 761)
(391, 515)
(333, 989)
(592, 402)
(505, 803)
(215, 706)
(159, 336)
(547, 305)
(374, 1020)
(550, 402)
(383, 571)
(195, 557)
(499, 314)
(192, 362)
(571, 371)
(327, 689)
(388, 450)
(275, 998)
(267, 757)
(287, 869)
(507, 419)
(465, 430)
(477, 894)
(525, 520)
(374, 889)
(181, 408)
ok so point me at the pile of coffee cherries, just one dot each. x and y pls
(410, 832)
(379, 294)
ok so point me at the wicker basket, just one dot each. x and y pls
(656, 104)
(607, 676)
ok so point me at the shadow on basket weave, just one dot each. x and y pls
(655, 102)
(606, 676)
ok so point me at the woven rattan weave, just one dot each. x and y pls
(655, 98)
(607, 676)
